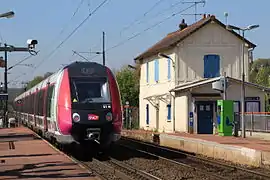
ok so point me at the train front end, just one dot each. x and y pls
(95, 103)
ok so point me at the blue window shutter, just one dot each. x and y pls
(156, 70)
(206, 67)
(211, 66)
(169, 112)
(147, 114)
(169, 69)
(217, 68)
(147, 72)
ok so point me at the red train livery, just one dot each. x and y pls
(79, 104)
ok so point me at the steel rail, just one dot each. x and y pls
(175, 162)
(198, 158)
(134, 170)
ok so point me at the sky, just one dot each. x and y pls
(132, 23)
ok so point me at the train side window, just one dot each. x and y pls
(26, 104)
(32, 104)
(41, 102)
(35, 103)
(49, 100)
(23, 108)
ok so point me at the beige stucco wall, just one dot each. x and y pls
(181, 111)
(211, 39)
(188, 56)
(233, 93)
(156, 88)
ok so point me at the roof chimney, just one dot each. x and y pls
(183, 25)
(204, 16)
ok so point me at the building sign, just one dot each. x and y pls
(4, 97)
(253, 106)
(252, 98)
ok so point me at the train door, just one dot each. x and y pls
(52, 108)
(45, 102)
(35, 105)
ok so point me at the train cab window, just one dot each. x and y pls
(90, 90)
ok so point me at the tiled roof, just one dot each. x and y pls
(175, 37)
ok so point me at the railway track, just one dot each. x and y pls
(215, 169)
(112, 169)
(104, 167)
(133, 159)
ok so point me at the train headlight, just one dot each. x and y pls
(76, 117)
(109, 116)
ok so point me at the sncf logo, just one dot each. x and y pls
(93, 117)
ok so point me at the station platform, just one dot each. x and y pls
(26, 156)
(246, 151)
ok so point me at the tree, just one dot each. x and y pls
(262, 77)
(37, 80)
(255, 68)
(47, 74)
(34, 82)
(128, 81)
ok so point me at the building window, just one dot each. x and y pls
(147, 114)
(147, 72)
(169, 109)
(169, 68)
(236, 106)
(156, 70)
(252, 106)
(211, 66)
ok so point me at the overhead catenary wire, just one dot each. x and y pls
(151, 27)
(164, 11)
(84, 21)
(67, 24)
(59, 34)
(144, 15)
(24, 59)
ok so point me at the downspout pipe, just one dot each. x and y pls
(176, 60)
(173, 111)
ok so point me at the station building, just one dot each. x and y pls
(178, 71)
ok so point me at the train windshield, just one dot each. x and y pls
(88, 90)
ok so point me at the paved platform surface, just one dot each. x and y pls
(249, 151)
(25, 156)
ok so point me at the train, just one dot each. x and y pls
(78, 104)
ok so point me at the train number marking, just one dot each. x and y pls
(106, 106)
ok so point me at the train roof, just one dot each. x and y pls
(52, 77)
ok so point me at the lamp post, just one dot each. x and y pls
(9, 48)
(132, 67)
(243, 30)
(9, 14)
(166, 56)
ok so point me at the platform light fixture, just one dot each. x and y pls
(9, 14)
(166, 56)
(250, 27)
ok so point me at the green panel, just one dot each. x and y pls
(225, 115)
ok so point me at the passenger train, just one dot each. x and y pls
(79, 104)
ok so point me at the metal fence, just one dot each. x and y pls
(255, 122)
(131, 118)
